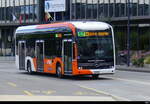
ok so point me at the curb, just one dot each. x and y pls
(133, 69)
(7, 62)
(53, 98)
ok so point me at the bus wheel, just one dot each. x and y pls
(95, 76)
(29, 68)
(58, 71)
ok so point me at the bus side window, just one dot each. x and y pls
(50, 48)
(58, 47)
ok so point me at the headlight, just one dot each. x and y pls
(80, 68)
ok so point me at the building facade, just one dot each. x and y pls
(14, 13)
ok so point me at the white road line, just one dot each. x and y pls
(28, 93)
(128, 80)
(117, 98)
(12, 84)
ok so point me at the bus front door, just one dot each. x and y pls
(22, 55)
(67, 55)
(40, 55)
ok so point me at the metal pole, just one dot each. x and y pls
(97, 9)
(41, 10)
(86, 10)
(70, 9)
(54, 16)
(128, 35)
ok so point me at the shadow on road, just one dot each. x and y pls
(84, 77)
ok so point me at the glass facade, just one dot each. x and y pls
(12, 14)
(7, 42)
(18, 11)
(26, 11)
(101, 9)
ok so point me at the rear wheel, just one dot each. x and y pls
(58, 71)
(95, 76)
(29, 69)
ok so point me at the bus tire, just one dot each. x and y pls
(58, 71)
(95, 76)
(29, 68)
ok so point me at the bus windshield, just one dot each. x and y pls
(95, 46)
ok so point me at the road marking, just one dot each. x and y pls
(134, 81)
(86, 93)
(28, 93)
(79, 93)
(48, 92)
(105, 93)
(12, 84)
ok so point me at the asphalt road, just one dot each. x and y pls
(123, 85)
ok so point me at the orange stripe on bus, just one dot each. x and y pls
(34, 62)
(77, 71)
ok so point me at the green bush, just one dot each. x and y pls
(147, 60)
(134, 61)
(138, 62)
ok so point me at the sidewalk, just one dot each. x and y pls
(132, 68)
(7, 59)
(53, 98)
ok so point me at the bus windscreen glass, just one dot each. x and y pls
(95, 46)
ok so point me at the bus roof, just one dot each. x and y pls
(83, 25)
(90, 25)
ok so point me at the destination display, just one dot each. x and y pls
(84, 34)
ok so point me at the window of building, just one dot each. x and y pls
(111, 8)
(106, 8)
(146, 7)
(117, 8)
(122, 8)
(134, 6)
(18, 11)
(101, 8)
(141, 7)
(73, 9)
(83, 9)
(6, 42)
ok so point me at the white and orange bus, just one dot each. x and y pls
(66, 48)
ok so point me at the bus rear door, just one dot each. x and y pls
(39, 55)
(67, 55)
(22, 54)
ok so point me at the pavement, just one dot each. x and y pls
(52, 98)
(7, 59)
(18, 86)
(132, 68)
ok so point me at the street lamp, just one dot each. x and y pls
(128, 34)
